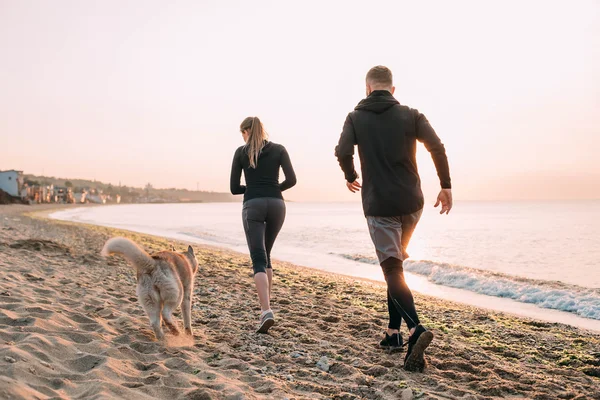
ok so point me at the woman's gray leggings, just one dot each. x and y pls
(263, 218)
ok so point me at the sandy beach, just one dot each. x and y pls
(71, 327)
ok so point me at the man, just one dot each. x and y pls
(386, 134)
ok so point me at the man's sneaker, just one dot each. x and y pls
(392, 343)
(266, 321)
(417, 343)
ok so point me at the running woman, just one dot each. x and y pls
(263, 211)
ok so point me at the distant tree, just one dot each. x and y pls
(69, 184)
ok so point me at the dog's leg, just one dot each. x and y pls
(150, 301)
(186, 309)
(155, 320)
(167, 310)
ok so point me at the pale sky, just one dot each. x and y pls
(154, 91)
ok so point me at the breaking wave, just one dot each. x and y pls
(584, 302)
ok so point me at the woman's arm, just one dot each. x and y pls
(288, 170)
(236, 175)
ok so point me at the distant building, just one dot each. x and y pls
(11, 182)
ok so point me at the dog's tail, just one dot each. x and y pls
(131, 251)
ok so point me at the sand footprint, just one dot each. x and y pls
(11, 306)
(81, 319)
(85, 364)
(45, 292)
(132, 385)
(91, 327)
(14, 337)
(10, 299)
(81, 338)
(39, 311)
(151, 379)
(146, 347)
(44, 390)
(10, 319)
(140, 366)
(35, 351)
(177, 381)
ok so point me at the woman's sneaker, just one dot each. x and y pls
(267, 319)
(415, 354)
(392, 343)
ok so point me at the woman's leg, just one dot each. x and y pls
(262, 288)
(270, 278)
(253, 216)
(274, 222)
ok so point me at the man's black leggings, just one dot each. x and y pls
(400, 299)
(263, 218)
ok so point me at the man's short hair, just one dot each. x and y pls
(380, 76)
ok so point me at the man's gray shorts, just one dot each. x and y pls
(391, 235)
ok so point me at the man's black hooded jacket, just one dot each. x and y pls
(386, 133)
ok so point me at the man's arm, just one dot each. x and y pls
(433, 144)
(344, 151)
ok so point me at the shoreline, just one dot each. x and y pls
(73, 327)
(418, 283)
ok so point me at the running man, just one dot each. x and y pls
(386, 134)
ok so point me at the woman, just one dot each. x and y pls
(263, 212)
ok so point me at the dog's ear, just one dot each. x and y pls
(190, 250)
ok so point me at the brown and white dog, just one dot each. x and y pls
(165, 280)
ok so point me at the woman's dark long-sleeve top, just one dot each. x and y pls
(262, 181)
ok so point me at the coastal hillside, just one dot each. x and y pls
(130, 194)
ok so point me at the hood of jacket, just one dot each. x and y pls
(378, 101)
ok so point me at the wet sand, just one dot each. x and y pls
(71, 327)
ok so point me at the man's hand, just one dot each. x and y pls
(354, 186)
(445, 198)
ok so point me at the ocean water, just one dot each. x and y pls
(539, 259)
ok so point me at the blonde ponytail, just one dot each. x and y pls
(256, 139)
